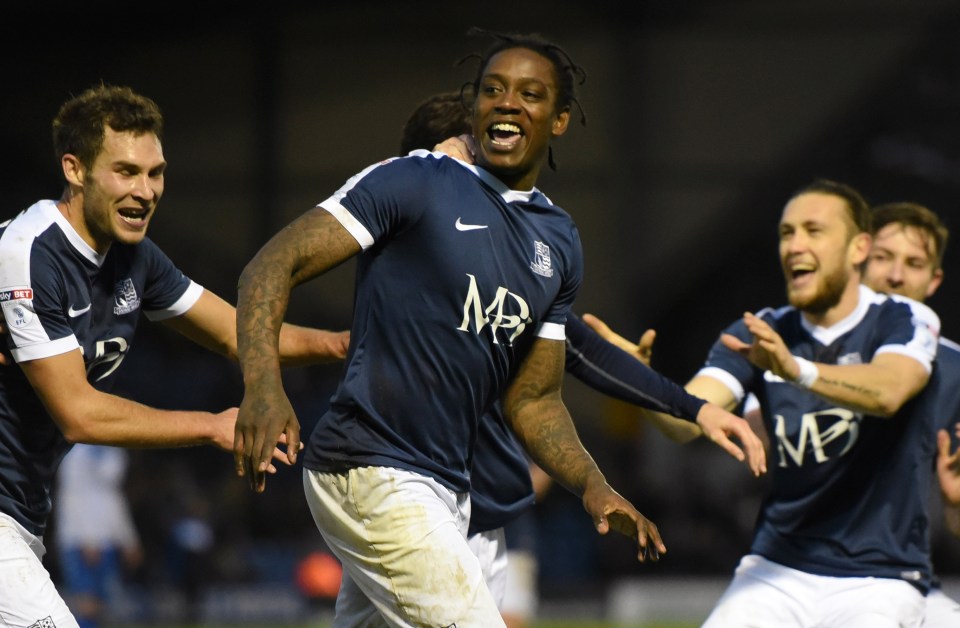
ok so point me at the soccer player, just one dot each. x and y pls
(834, 372)
(463, 287)
(75, 274)
(906, 258)
(500, 484)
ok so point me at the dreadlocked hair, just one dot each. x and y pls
(569, 74)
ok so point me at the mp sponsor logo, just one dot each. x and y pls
(507, 311)
(108, 354)
(825, 434)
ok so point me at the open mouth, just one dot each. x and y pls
(505, 134)
(800, 271)
(134, 217)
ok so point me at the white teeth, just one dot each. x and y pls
(506, 127)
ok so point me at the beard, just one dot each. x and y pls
(828, 292)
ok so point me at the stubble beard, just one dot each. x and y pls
(828, 294)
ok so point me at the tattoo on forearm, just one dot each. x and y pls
(543, 423)
(855, 388)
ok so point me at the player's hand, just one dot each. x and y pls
(463, 147)
(265, 419)
(642, 350)
(719, 426)
(336, 344)
(225, 437)
(768, 351)
(948, 469)
(610, 511)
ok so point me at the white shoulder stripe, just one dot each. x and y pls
(186, 301)
(45, 349)
(16, 244)
(349, 222)
(724, 378)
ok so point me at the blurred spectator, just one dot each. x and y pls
(95, 536)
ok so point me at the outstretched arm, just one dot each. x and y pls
(87, 415)
(704, 400)
(540, 420)
(212, 323)
(307, 247)
(879, 388)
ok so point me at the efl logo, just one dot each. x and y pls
(16, 295)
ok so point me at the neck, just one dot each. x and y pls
(71, 206)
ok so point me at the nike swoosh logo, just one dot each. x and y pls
(463, 227)
(72, 313)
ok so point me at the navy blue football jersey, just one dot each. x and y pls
(457, 277)
(848, 491)
(59, 295)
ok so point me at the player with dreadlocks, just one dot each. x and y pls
(501, 490)
(465, 276)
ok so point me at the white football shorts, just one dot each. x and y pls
(28, 598)
(764, 594)
(401, 537)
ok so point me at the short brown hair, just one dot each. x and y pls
(80, 125)
(857, 206)
(437, 118)
(917, 216)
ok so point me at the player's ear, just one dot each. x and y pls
(560, 123)
(72, 169)
(859, 248)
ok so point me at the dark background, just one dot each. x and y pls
(702, 118)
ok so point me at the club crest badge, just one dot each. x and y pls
(125, 298)
(541, 260)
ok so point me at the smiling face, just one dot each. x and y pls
(515, 116)
(903, 261)
(120, 191)
(820, 252)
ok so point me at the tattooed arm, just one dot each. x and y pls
(541, 421)
(307, 247)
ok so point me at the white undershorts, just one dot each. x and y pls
(490, 548)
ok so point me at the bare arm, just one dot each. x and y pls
(212, 323)
(85, 414)
(540, 420)
(879, 388)
(307, 247)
